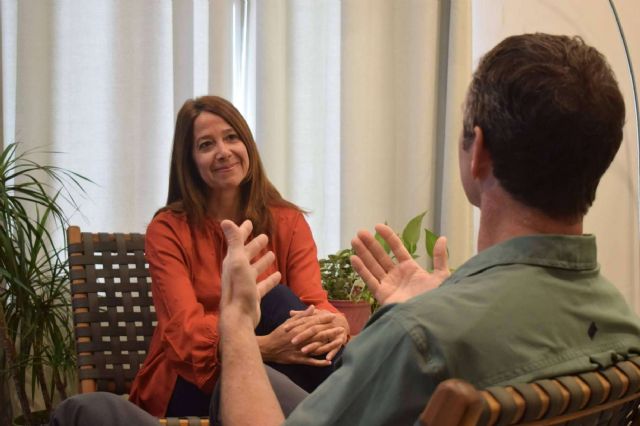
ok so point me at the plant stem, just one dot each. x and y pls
(11, 354)
(43, 386)
(61, 385)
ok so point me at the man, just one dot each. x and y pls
(543, 120)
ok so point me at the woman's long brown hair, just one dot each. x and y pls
(187, 190)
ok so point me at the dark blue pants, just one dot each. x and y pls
(188, 400)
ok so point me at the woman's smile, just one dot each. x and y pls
(225, 168)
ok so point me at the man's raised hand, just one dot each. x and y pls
(395, 282)
(240, 269)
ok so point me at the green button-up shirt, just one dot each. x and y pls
(528, 308)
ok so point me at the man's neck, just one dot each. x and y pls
(503, 218)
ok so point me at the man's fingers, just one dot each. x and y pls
(372, 254)
(367, 258)
(440, 261)
(234, 234)
(372, 282)
(395, 243)
(264, 262)
(266, 285)
(237, 235)
(256, 245)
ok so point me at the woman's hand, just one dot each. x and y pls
(318, 331)
(277, 346)
(307, 333)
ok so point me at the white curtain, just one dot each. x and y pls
(355, 104)
(294, 52)
(93, 80)
(344, 98)
(389, 111)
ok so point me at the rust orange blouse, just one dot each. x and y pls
(185, 271)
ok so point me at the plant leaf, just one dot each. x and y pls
(382, 242)
(34, 281)
(430, 241)
(411, 233)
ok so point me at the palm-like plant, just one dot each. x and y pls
(35, 332)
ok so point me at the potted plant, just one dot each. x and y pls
(346, 290)
(36, 345)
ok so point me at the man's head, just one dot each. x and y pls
(551, 116)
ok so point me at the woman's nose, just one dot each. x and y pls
(223, 150)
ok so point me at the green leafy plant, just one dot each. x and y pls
(410, 237)
(35, 333)
(342, 283)
(340, 280)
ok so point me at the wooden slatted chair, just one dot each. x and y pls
(606, 397)
(113, 311)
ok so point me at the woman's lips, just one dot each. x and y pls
(225, 168)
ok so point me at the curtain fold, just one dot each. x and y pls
(297, 106)
(390, 115)
(93, 82)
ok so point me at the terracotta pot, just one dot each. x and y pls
(357, 313)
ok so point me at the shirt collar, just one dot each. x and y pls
(572, 252)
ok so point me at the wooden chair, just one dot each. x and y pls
(113, 311)
(604, 397)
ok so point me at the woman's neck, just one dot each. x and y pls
(224, 205)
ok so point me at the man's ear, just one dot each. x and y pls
(481, 164)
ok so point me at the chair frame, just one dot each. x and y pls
(113, 311)
(609, 396)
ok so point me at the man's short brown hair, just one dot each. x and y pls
(552, 116)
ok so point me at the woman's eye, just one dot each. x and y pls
(204, 144)
(232, 137)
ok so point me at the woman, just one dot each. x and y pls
(216, 174)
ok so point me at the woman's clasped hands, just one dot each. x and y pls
(304, 337)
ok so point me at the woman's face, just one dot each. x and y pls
(219, 154)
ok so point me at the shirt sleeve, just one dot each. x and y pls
(189, 335)
(387, 375)
(302, 273)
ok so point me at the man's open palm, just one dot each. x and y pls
(392, 282)
(241, 267)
